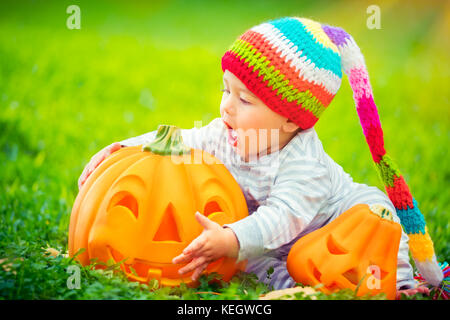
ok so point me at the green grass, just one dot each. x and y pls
(65, 94)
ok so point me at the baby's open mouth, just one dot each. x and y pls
(232, 135)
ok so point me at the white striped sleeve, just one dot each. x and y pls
(197, 138)
(142, 139)
(300, 189)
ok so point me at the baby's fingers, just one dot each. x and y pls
(182, 258)
(195, 247)
(95, 162)
(423, 290)
(114, 147)
(193, 265)
(82, 177)
(192, 250)
(199, 271)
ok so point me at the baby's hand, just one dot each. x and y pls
(412, 291)
(96, 160)
(213, 243)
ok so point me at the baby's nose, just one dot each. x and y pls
(228, 107)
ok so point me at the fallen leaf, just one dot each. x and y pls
(51, 252)
(288, 294)
(7, 266)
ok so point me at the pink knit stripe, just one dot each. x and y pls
(359, 81)
(371, 125)
(367, 111)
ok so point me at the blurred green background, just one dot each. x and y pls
(65, 94)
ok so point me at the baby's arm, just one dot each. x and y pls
(96, 160)
(196, 138)
(300, 189)
(138, 140)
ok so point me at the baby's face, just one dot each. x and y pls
(254, 128)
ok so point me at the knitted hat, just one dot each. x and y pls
(294, 66)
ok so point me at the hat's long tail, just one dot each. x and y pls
(412, 220)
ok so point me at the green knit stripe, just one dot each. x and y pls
(387, 170)
(276, 79)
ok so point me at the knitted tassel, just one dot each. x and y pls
(412, 220)
(444, 290)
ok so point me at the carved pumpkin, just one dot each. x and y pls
(361, 242)
(139, 205)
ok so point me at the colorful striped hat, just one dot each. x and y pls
(294, 65)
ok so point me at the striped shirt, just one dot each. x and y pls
(289, 193)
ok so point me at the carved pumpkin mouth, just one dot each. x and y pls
(167, 238)
(143, 271)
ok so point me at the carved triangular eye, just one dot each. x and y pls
(211, 207)
(379, 273)
(316, 273)
(352, 276)
(168, 229)
(334, 247)
(127, 200)
(383, 274)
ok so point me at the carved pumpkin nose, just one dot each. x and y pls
(168, 229)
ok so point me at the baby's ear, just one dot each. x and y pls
(290, 127)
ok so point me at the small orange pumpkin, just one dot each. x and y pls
(360, 247)
(139, 205)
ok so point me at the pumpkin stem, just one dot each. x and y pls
(168, 141)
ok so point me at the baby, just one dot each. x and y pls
(279, 77)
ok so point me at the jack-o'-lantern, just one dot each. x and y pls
(360, 247)
(139, 204)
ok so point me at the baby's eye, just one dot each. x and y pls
(224, 90)
(245, 101)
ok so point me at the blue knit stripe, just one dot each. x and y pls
(316, 52)
(412, 219)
